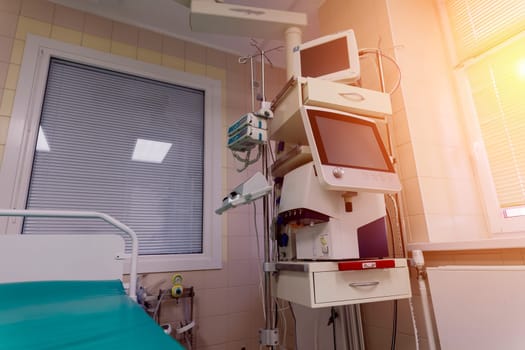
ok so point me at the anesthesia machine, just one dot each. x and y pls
(330, 181)
(332, 198)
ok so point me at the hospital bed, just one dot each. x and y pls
(66, 291)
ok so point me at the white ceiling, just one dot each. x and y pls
(172, 18)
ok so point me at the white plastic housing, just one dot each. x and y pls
(332, 57)
(338, 239)
(348, 152)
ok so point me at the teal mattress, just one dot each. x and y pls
(75, 315)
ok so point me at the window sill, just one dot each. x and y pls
(498, 242)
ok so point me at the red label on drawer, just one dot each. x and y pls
(366, 265)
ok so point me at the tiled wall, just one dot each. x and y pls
(443, 198)
(440, 198)
(373, 30)
(227, 305)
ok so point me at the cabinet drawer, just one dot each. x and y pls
(370, 285)
(321, 93)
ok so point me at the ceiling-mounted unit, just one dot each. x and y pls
(230, 19)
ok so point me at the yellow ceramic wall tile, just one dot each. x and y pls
(4, 125)
(478, 259)
(18, 51)
(216, 73)
(67, 35)
(195, 68)
(149, 56)
(32, 26)
(225, 227)
(123, 50)
(224, 245)
(12, 76)
(173, 62)
(512, 258)
(7, 102)
(96, 43)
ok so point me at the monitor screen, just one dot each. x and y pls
(333, 57)
(348, 142)
(348, 152)
(313, 67)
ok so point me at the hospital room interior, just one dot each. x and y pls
(249, 174)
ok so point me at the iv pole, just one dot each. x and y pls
(269, 336)
(293, 37)
(218, 17)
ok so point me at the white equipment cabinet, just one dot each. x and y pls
(325, 284)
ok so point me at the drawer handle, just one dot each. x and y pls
(364, 284)
(353, 96)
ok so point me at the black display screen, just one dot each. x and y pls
(326, 58)
(347, 141)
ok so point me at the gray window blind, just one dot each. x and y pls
(124, 145)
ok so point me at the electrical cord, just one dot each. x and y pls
(280, 312)
(259, 269)
(394, 327)
(272, 155)
(333, 316)
(247, 161)
(157, 307)
(394, 199)
(295, 324)
(392, 233)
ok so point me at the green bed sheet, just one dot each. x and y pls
(75, 315)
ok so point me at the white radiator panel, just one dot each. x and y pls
(479, 307)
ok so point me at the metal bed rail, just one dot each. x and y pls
(90, 215)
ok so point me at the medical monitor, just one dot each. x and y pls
(348, 152)
(333, 57)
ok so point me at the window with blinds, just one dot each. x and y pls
(124, 145)
(479, 25)
(489, 38)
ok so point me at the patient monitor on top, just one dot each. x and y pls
(348, 152)
(332, 57)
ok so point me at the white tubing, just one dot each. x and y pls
(426, 313)
(185, 328)
(90, 214)
(413, 316)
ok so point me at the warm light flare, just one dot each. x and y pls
(521, 68)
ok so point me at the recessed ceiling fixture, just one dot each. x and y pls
(150, 151)
(41, 142)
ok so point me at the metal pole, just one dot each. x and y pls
(252, 78)
(269, 307)
(262, 77)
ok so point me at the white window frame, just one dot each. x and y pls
(15, 169)
(497, 223)
(496, 220)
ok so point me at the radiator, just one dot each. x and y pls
(479, 307)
